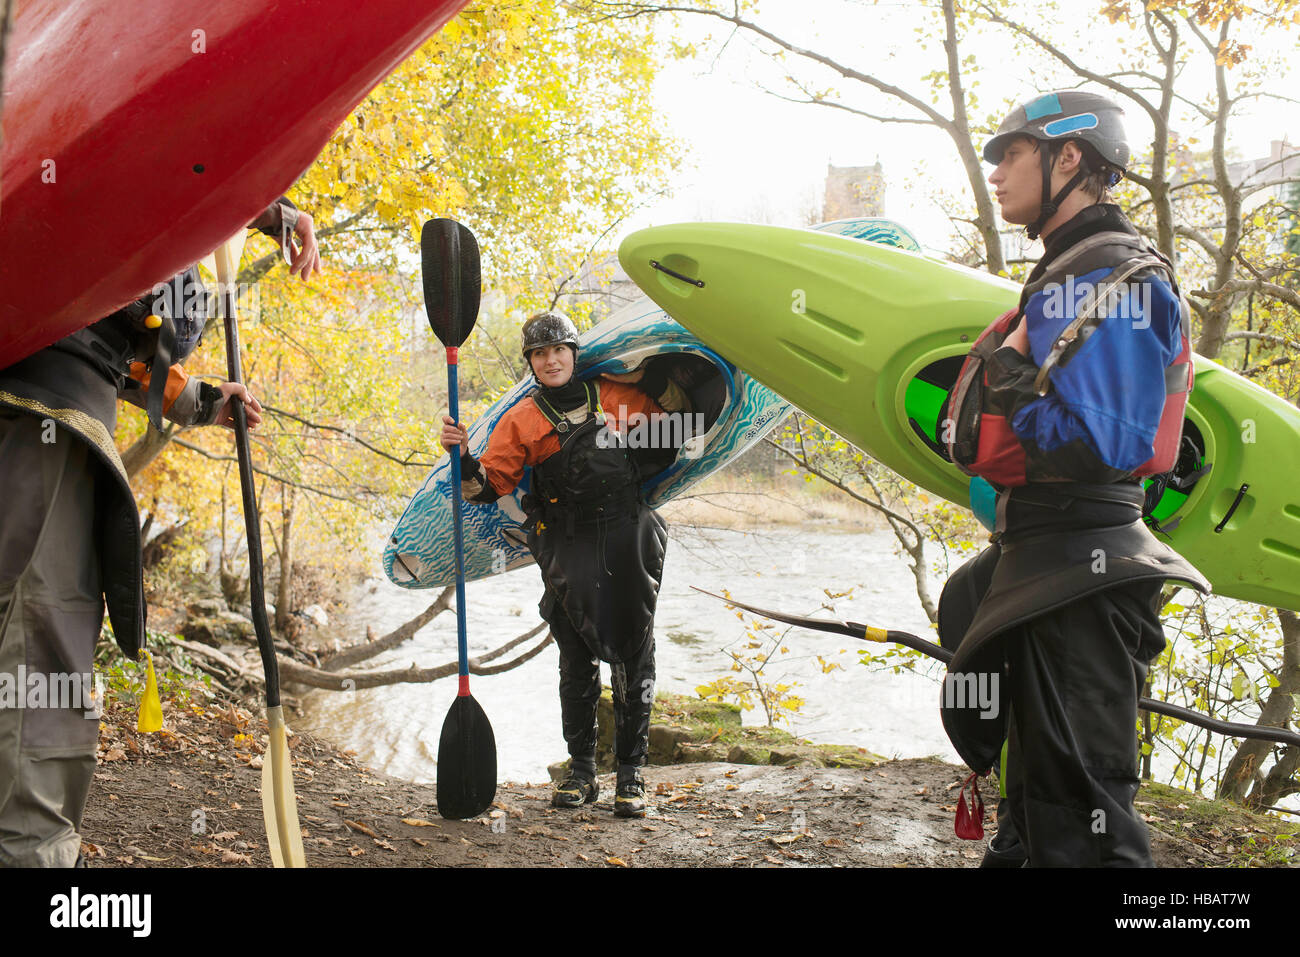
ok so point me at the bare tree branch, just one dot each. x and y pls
(408, 461)
(363, 652)
(271, 475)
(293, 671)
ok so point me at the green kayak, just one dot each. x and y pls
(867, 339)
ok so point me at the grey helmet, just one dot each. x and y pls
(548, 329)
(1066, 115)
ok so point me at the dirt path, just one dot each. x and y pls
(189, 797)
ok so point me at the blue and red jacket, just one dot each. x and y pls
(1101, 397)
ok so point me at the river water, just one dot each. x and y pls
(395, 729)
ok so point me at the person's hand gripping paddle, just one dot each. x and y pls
(467, 751)
(279, 802)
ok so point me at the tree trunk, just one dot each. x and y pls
(985, 217)
(145, 449)
(1243, 771)
(284, 588)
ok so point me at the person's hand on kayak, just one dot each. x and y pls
(452, 434)
(1019, 338)
(636, 375)
(304, 259)
(232, 392)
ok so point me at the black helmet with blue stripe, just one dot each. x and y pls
(1067, 115)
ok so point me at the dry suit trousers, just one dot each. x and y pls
(1074, 678)
(632, 682)
(51, 610)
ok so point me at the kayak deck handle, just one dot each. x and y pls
(656, 264)
(1241, 493)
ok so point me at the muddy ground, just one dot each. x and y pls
(190, 797)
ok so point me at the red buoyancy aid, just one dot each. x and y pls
(978, 435)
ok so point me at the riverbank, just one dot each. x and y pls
(189, 797)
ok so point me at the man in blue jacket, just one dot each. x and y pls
(1064, 404)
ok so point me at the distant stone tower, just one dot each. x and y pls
(854, 191)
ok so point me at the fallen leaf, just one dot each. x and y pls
(358, 826)
(616, 862)
(385, 845)
(419, 822)
(420, 842)
(225, 835)
(833, 842)
(583, 857)
(234, 857)
(355, 852)
(732, 787)
(784, 838)
(760, 818)
(707, 832)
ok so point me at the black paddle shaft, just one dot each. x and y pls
(252, 523)
(863, 632)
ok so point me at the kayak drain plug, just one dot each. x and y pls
(656, 264)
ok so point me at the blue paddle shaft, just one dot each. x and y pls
(462, 644)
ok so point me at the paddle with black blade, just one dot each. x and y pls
(467, 750)
(279, 802)
(854, 629)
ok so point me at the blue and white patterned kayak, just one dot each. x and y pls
(419, 552)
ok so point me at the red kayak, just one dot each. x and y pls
(129, 154)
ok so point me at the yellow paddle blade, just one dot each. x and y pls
(150, 718)
(279, 802)
(232, 250)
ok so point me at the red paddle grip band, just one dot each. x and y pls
(452, 352)
(464, 687)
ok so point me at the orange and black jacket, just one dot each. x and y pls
(524, 437)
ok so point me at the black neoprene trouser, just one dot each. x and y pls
(1075, 675)
(632, 682)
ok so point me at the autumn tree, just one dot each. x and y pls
(528, 122)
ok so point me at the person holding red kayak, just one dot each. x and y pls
(600, 548)
(70, 532)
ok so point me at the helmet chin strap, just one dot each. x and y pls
(1048, 209)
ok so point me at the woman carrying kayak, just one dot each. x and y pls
(600, 548)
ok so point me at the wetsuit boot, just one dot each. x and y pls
(629, 795)
(578, 787)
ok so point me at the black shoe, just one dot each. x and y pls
(1007, 852)
(575, 791)
(629, 796)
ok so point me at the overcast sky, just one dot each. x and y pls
(753, 157)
